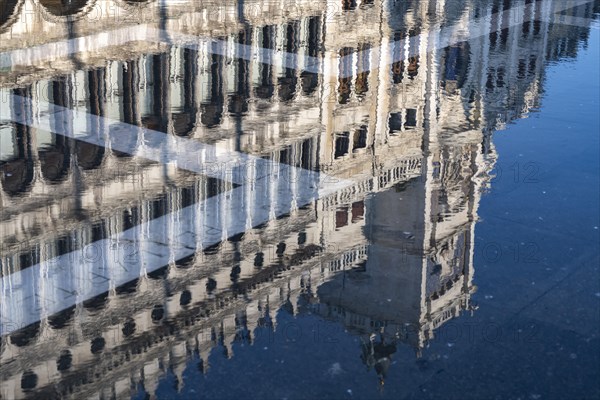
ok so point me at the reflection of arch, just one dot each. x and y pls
(9, 10)
(265, 88)
(97, 345)
(184, 122)
(24, 336)
(288, 83)
(96, 303)
(64, 8)
(212, 111)
(55, 159)
(310, 81)
(16, 176)
(211, 114)
(65, 361)
(89, 156)
(29, 380)
(345, 71)
(156, 118)
(60, 320)
(17, 173)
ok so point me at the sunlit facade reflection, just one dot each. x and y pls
(404, 111)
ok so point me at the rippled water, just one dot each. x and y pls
(355, 199)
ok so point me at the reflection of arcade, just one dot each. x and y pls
(396, 264)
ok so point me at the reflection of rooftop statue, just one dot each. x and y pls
(378, 354)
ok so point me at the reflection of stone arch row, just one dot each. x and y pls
(208, 315)
(9, 12)
(53, 162)
(267, 278)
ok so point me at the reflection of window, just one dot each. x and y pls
(411, 118)
(522, 69)
(436, 169)
(341, 218)
(397, 57)
(342, 144)
(97, 345)
(348, 5)
(413, 67)
(185, 298)
(259, 259)
(157, 313)
(65, 361)
(301, 238)
(280, 249)
(360, 138)
(29, 380)
(362, 80)
(345, 75)
(128, 328)
(306, 154)
(358, 210)
(395, 122)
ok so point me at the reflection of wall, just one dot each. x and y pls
(399, 116)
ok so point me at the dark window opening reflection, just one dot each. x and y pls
(342, 144)
(65, 361)
(212, 111)
(345, 73)
(184, 120)
(29, 380)
(288, 83)
(25, 336)
(97, 345)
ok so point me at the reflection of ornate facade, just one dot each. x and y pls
(388, 108)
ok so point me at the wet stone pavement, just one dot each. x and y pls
(300, 200)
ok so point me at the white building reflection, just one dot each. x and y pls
(374, 97)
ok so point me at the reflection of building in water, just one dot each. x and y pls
(390, 107)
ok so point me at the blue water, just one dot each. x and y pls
(383, 200)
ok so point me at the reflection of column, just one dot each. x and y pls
(310, 78)
(184, 118)
(287, 83)
(89, 156)
(213, 110)
(18, 172)
(157, 118)
(363, 64)
(55, 159)
(238, 102)
(265, 81)
(397, 57)
(345, 74)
